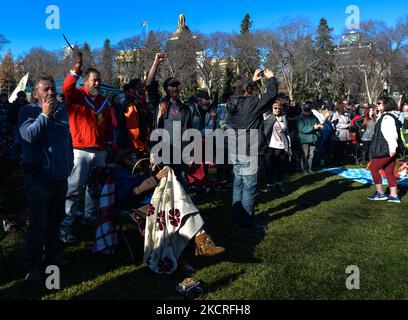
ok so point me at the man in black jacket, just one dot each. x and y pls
(245, 117)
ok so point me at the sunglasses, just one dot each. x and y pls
(277, 108)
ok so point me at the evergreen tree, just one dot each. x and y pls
(246, 24)
(88, 60)
(248, 54)
(3, 41)
(324, 61)
(7, 74)
(106, 66)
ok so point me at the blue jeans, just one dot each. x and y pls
(244, 193)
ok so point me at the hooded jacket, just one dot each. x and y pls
(246, 112)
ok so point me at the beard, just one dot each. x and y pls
(94, 91)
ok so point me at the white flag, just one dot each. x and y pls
(21, 87)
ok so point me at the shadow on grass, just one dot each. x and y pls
(310, 199)
(145, 285)
(84, 266)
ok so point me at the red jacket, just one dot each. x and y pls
(90, 121)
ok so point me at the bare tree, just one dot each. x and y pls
(290, 49)
(388, 57)
(212, 62)
(245, 48)
(182, 61)
(129, 54)
(39, 62)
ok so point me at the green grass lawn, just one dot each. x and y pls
(322, 226)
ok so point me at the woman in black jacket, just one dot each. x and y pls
(278, 146)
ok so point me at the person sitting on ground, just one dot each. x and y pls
(171, 219)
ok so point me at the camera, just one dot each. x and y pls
(261, 73)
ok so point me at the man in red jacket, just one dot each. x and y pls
(91, 129)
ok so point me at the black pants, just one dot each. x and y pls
(275, 163)
(46, 211)
(340, 149)
(366, 149)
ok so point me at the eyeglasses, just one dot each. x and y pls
(277, 108)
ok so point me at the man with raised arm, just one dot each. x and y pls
(92, 134)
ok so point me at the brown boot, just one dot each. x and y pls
(205, 246)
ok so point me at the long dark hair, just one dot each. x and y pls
(367, 114)
(389, 104)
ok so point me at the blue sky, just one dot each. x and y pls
(23, 22)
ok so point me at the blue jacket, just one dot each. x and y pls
(46, 142)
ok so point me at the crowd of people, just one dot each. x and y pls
(63, 139)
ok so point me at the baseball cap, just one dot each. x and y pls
(307, 107)
(172, 82)
(203, 95)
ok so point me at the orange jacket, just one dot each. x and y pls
(90, 121)
(133, 124)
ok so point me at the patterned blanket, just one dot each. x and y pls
(172, 221)
(106, 234)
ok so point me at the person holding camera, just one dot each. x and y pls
(245, 117)
(47, 163)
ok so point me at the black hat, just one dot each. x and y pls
(307, 107)
(281, 95)
(172, 82)
(203, 95)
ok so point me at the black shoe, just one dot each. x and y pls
(280, 188)
(33, 276)
(67, 237)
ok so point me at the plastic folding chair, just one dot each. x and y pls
(136, 217)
